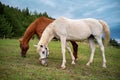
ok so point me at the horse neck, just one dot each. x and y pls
(47, 36)
(28, 34)
(26, 38)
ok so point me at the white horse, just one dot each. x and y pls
(67, 29)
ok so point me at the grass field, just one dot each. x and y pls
(14, 67)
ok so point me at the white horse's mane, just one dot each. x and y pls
(46, 36)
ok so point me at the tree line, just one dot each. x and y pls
(13, 22)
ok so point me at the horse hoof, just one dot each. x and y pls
(73, 63)
(63, 67)
(76, 59)
(88, 64)
(104, 66)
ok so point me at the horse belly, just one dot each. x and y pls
(78, 33)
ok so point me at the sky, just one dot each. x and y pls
(107, 10)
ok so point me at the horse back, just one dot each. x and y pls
(77, 29)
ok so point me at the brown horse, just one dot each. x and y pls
(37, 27)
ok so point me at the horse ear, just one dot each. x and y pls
(20, 40)
(35, 45)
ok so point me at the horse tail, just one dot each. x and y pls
(106, 32)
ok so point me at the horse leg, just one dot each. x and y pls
(69, 50)
(63, 42)
(92, 47)
(99, 40)
(75, 49)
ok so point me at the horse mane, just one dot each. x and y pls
(47, 35)
(31, 30)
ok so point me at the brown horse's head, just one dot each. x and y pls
(24, 47)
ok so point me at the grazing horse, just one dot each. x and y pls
(67, 29)
(37, 27)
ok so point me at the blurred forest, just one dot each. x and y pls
(13, 22)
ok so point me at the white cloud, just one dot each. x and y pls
(67, 12)
(91, 3)
(118, 40)
(88, 13)
(48, 2)
(63, 8)
(103, 8)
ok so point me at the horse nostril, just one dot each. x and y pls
(46, 64)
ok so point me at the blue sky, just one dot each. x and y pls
(108, 10)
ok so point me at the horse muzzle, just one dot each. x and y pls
(44, 61)
(23, 56)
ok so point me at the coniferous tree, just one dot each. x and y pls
(13, 21)
(114, 43)
(5, 28)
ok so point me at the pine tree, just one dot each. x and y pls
(13, 21)
(114, 43)
(5, 28)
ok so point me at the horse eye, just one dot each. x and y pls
(41, 45)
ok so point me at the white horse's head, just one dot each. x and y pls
(43, 52)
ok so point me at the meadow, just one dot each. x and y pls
(14, 67)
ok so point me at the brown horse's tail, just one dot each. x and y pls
(106, 32)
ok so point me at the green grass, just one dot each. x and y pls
(14, 67)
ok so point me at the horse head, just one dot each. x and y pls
(43, 52)
(24, 47)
